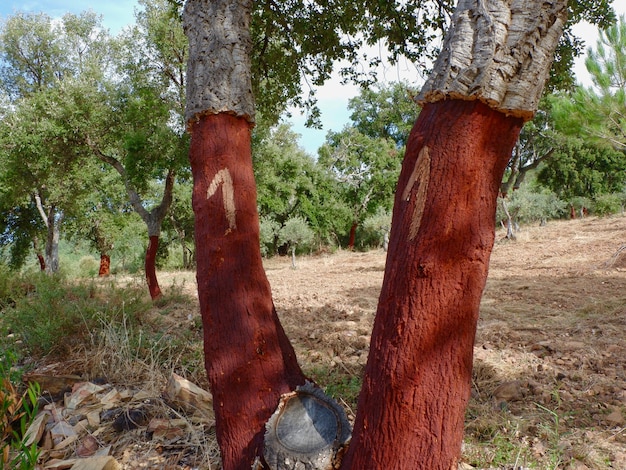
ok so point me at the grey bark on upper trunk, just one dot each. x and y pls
(222, 55)
(499, 52)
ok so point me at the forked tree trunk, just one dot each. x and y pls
(105, 265)
(485, 84)
(153, 218)
(249, 360)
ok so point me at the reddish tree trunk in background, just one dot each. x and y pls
(150, 267)
(422, 344)
(105, 265)
(40, 257)
(42, 261)
(352, 238)
(248, 358)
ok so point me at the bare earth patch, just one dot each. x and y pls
(550, 355)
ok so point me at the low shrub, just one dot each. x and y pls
(58, 315)
(607, 204)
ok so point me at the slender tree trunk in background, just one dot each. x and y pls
(352, 238)
(249, 360)
(485, 84)
(150, 267)
(42, 261)
(105, 265)
(40, 257)
(572, 212)
(52, 220)
(52, 244)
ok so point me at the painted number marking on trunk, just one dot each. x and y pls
(420, 175)
(228, 194)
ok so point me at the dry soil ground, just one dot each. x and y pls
(550, 355)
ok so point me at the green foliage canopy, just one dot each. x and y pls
(387, 112)
(367, 169)
(598, 113)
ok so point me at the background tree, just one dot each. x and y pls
(21, 228)
(296, 233)
(292, 184)
(151, 131)
(387, 112)
(103, 215)
(367, 170)
(598, 112)
(580, 169)
(39, 59)
(535, 145)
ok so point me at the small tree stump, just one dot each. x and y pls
(308, 431)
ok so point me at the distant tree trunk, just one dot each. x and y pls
(42, 261)
(105, 265)
(249, 360)
(153, 219)
(150, 267)
(52, 220)
(514, 165)
(485, 84)
(510, 231)
(40, 257)
(352, 238)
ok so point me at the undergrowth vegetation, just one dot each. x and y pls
(18, 408)
(111, 328)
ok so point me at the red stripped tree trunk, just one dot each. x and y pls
(352, 238)
(441, 241)
(248, 357)
(150, 267)
(42, 261)
(105, 265)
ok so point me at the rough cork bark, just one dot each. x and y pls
(219, 47)
(487, 81)
(499, 52)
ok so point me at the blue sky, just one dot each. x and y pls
(116, 13)
(332, 98)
